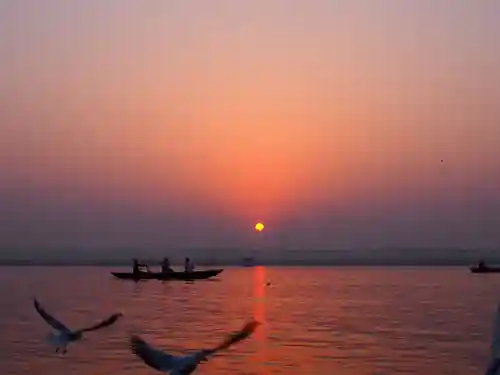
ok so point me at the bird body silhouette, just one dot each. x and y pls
(184, 365)
(64, 335)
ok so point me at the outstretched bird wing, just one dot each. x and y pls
(232, 339)
(154, 358)
(106, 322)
(53, 322)
(494, 364)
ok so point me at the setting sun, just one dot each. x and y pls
(259, 227)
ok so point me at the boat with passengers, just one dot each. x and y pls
(141, 271)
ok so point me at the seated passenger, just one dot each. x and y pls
(165, 267)
(135, 267)
(188, 266)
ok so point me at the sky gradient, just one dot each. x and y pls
(339, 124)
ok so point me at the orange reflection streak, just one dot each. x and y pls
(259, 314)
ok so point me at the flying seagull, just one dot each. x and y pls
(494, 363)
(184, 365)
(65, 336)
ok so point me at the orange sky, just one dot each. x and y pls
(265, 111)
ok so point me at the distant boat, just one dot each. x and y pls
(481, 267)
(186, 276)
(248, 262)
(485, 269)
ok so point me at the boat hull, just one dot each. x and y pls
(485, 270)
(186, 276)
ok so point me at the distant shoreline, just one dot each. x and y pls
(269, 264)
(390, 257)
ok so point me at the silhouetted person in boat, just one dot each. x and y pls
(188, 265)
(135, 267)
(165, 267)
(481, 264)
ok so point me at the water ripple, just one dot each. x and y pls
(315, 321)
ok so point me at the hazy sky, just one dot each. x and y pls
(181, 123)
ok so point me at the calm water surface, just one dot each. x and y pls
(316, 321)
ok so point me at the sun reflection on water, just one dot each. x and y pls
(259, 292)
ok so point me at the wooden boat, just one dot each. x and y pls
(186, 276)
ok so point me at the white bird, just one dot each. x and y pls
(494, 363)
(184, 365)
(65, 336)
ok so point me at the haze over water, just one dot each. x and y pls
(316, 321)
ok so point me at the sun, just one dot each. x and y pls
(259, 227)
